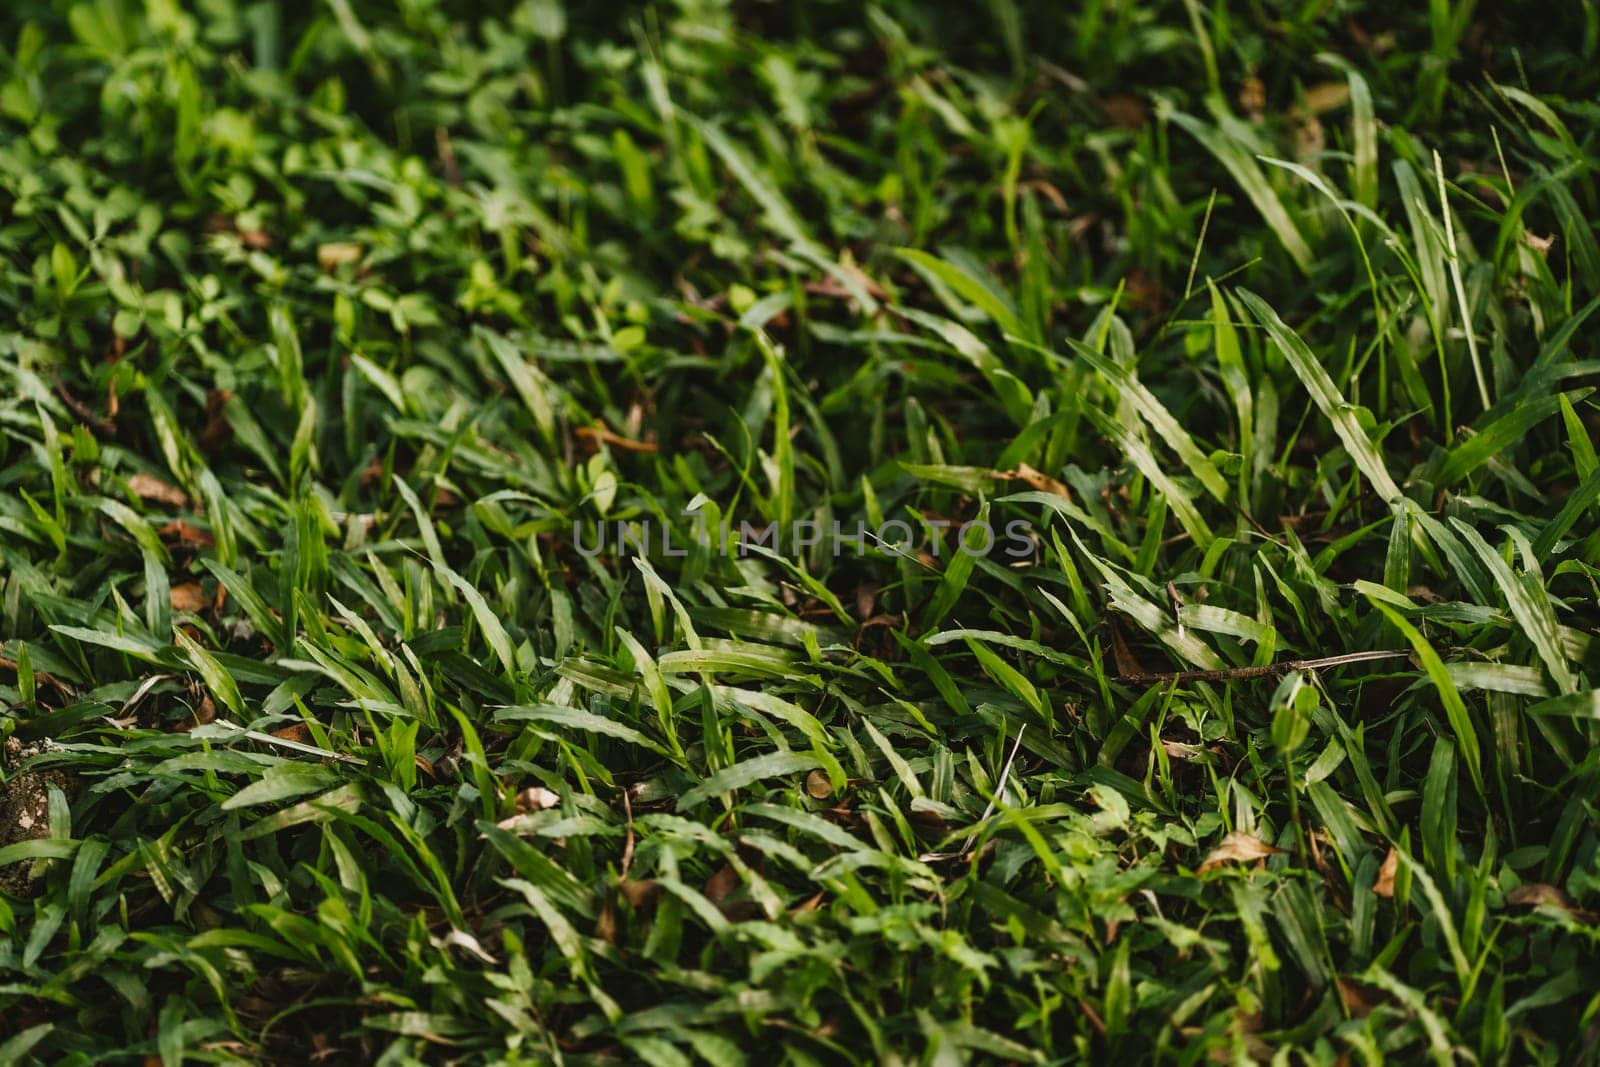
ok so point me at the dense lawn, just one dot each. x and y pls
(336, 339)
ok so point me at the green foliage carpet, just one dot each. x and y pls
(1203, 391)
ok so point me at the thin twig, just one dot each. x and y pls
(103, 426)
(1239, 674)
(39, 677)
(627, 848)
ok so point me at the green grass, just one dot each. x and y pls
(325, 328)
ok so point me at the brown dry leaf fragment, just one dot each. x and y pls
(185, 534)
(1314, 841)
(1048, 191)
(1141, 291)
(296, 732)
(1533, 894)
(1253, 98)
(833, 286)
(335, 254)
(818, 786)
(1125, 111)
(1540, 245)
(1036, 480)
(811, 903)
(537, 798)
(205, 713)
(830, 287)
(217, 431)
(1327, 96)
(1362, 39)
(1384, 886)
(1537, 894)
(188, 596)
(257, 1007)
(1359, 999)
(638, 893)
(149, 487)
(605, 927)
(1237, 848)
(866, 600)
(721, 885)
(847, 263)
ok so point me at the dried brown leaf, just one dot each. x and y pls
(185, 534)
(605, 927)
(1384, 886)
(1237, 848)
(1539, 244)
(721, 885)
(217, 431)
(297, 732)
(1538, 894)
(335, 254)
(811, 903)
(1035, 480)
(637, 893)
(1327, 96)
(205, 713)
(1125, 111)
(1048, 191)
(1533, 894)
(537, 798)
(1253, 98)
(1358, 999)
(150, 488)
(188, 596)
(1318, 860)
